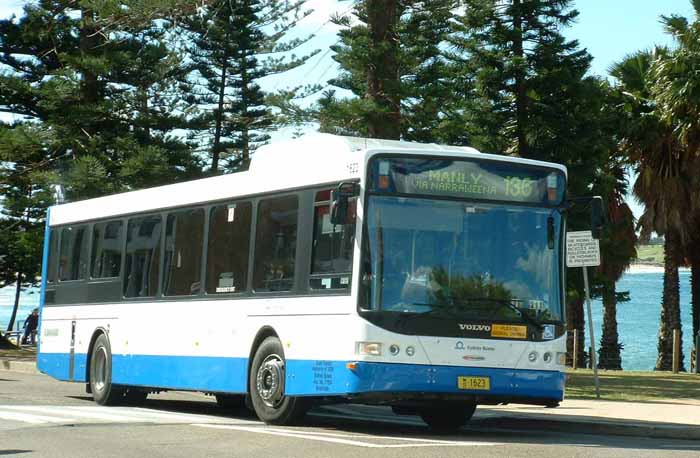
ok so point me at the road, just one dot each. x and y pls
(41, 417)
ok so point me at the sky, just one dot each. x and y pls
(608, 29)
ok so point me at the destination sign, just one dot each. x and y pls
(472, 179)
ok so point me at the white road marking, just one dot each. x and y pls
(92, 413)
(97, 414)
(346, 439)
(30, 418)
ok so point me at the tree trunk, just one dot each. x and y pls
(89, 41)
(18, 290)
(609, 342)
(520, 89)
(574, 312)
(670, 305)
(383, 71)
(245, 132)
(219, 117)
(695, 288)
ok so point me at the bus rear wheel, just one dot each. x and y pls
(266, 381)
(103, 391)
(444, 418)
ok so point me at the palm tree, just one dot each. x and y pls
(662, 182)
(677, 93)
(618, 246)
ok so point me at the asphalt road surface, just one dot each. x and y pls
(41, 417)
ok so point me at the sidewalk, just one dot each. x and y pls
(19, 360)
(668, 418)
(665, 418)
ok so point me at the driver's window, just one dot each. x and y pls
(333, 245)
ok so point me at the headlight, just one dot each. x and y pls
(369, 348)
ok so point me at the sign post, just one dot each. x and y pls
(582, 250)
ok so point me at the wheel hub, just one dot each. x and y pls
(269, 381)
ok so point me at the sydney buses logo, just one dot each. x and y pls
(475, 327)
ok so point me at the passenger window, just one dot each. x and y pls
(106, 249)
(331, 259)
(73, 261)
(228, 248)
(53, 253)
(142, 261)
(184, 239)
(275, 244)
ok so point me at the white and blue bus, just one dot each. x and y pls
(424, 277)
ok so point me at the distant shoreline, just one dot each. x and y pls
(646, 268)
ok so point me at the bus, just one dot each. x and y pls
(423, 277)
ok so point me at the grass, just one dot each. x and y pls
(633, 386)
(651, 254)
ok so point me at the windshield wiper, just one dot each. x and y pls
(507, 303)
(438, 308)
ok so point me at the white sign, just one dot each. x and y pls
(582, 250)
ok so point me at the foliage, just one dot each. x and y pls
(233, 45)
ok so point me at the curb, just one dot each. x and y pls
(597, 426)
(28, 367)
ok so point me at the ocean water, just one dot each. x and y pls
(638, 319)
(27, 301)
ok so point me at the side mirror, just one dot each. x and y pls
(597, 216)
(339, 202)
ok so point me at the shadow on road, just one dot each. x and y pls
(373, 421)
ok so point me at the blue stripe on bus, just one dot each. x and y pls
(333, 377)
(309, 377)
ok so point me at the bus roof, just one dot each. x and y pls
(313, 159)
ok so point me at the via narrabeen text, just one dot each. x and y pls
(468, 183)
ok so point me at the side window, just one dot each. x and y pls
(53, 254)
(73, 261)
(275, 244)
(142, 261)
(331, 259)
(228, 248)
(184, 237)
(106, 249)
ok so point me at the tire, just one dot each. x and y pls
(103, 391)
(447, 418)
(266, 380)
(231, 402)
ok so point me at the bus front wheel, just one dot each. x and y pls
(447, 418)
(103, 391)
(267, 386)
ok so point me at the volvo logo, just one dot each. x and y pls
(475, 327)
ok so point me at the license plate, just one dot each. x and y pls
(474, 383)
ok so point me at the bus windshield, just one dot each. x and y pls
(473, 261)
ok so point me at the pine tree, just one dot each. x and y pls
(25, 195)
(234, 44)
(393, 61)
(84, 85)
